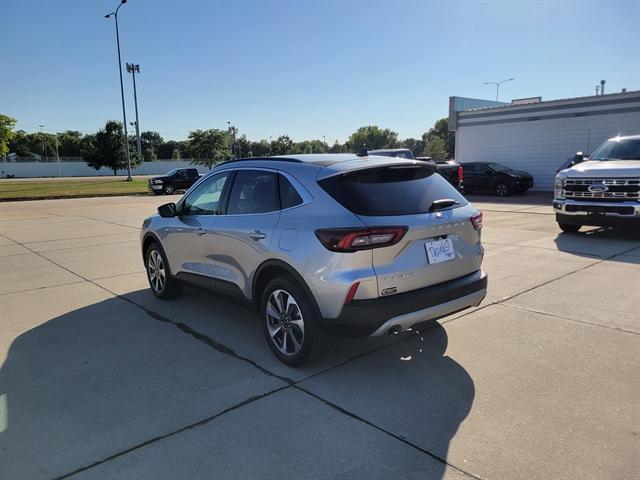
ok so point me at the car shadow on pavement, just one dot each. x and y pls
(595, 242)
(105, 378)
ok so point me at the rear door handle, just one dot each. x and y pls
(257, 235)
(201, 231)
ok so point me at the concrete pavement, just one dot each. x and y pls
(99, 379)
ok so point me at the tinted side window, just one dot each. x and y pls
(394, 190)
(207, 197)
(470, 168)
(254, 191)
(289, 196)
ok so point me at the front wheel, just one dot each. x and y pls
(569, 228)
(289, 322)
(162, 283)
(503, 189)
(167, 189)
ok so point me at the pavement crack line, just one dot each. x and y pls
(402, 439)
(564, 275)
(559, 317)
(170, 434)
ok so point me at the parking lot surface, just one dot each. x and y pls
(99, 379)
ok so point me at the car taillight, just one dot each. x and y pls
(354, 239)
(460, 174)
(477, 221)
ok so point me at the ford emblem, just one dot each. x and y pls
(598, 188)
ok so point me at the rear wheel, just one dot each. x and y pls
(289, 322)
(503, 189)
(569, 228)
(162, 283)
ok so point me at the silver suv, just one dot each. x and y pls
(323, 245)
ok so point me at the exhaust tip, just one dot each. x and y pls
(396, 329)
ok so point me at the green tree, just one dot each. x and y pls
(436, 148)
(108, 148)
(209, 147)
(416, 146)
(151, 143)
(372, 138)
(6, 133)
(441, 130)
(261, 148)
(283, 145)
(69, 143)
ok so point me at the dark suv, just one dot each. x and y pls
(176, 179)
(495, 178)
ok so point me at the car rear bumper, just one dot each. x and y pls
(399, 312)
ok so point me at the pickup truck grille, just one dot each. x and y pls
(612, 189)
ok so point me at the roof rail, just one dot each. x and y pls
(279, 159)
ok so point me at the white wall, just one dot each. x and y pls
(540, 147)
(80, 169)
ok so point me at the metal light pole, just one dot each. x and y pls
(133, 69)
(497, 84)
(124, 111)
(42, 141)
(58, 158)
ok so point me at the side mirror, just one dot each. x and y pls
(167, 210)
(578, 158)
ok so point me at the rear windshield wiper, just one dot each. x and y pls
(442, 203)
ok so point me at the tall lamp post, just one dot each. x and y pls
(497, 84)
(124, 111)
(133, 69)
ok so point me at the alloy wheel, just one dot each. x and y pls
(502, 189)
(156, 271)
(168, 189)
(284, 322)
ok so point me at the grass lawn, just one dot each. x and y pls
(36, 189)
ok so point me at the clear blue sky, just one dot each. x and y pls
(303, 68)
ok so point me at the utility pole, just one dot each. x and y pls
(58, 158)
(124, 111)
(133, 69)
(44, 154)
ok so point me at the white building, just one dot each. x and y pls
(538, 136)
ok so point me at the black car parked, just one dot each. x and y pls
(495, 178)
(176, 179)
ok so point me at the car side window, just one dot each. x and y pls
(254, 191)
(470, 168)
(289, 196)
(207, 197)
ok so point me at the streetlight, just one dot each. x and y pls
(44, 154)
(497, 84)
(133, 69)
(124, 112)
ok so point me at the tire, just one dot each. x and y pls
(162, 283)
(167, 189)
(569, 228)
(502, 189)
(293, 337)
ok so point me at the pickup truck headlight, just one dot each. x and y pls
(558, 188)
(157, 182)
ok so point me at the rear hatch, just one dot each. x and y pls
(441, 242)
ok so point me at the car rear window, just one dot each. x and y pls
(390, 190)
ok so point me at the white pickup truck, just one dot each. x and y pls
(602, 190)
